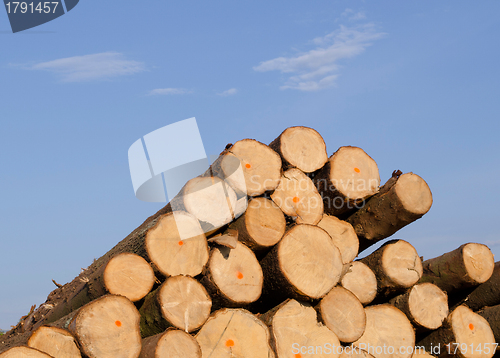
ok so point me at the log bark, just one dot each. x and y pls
(180, 302)
(486, 294)
(347, 180)
(467, 266)
(234, 333)
(461, 330)
(401, 201)
(342, 312)
(396, 265)
(343, 236)
(302, 148)
(298, 198)
(306, 276)
(233, 277)
(425, 305)
(108, 327)
(361, 281)
(261, 226)
(170, 344)
(24, 352)
(260, 167)
(492, 315)
(295, 329)
(386, 326)
(56, 342)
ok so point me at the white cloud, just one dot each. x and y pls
(168, 91)
(91, 67)
(316, 69)
(354, 16)
(229, 92)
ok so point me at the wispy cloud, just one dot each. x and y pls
(90, 67)
(229, 92)
(169, 91)
(318, 68)
(350, 14)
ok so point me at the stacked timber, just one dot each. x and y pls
(259, 257)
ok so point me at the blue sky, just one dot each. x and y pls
(415, 84)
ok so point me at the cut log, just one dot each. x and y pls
(304, 265)
(341, 311)
(295, 330)
(108, 327)
(298, 198)
(354, 352)
(418, 353)
(24, 352)
(170, 344)
(492, 315)
(401, 201)
(486, 294)
(262, 225)
(388, 333)
(233, 277)
(234, 333)
(56, 342)
(210, 199)
(349, 178)
(343, 236)
(464, 334)
(129, 275)
(425, 305)
(360, 280)
(181, 302)
(396, 265)
(261, 167)
(467, 266)
(177, 245)
(302, 148)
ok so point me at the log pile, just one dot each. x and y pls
(258, 257)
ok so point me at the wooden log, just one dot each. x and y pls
(170, 344)
(354, 352)
(180, 302)
(388, 333)
(361, 281)
(425, 305)
(343, 236)
(129, 275)
(347, 180)
(108, 327)
(486, 294)
(401, 201)
(210, 199)
(262, 225)
(260, 166)
(464, 334)
(305, 276)
(177, 245)
(24, 352)
(234, 333)
(295, 330)
(418, 353)
(492, 315)
(342, 312)
(298, 198)
(56, 342)
(233, 277)
(302, 148)
(396, 265)
(467, 266)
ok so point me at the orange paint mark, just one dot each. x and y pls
(118, 323)
(298, 355)
(248, 166)
(357, 170)
(229, 343)
(181, 243)
(239, 275)
(296, 199)
(471, 327)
